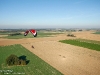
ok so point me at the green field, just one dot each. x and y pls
(89, 41)
(39, 34)
(98, 32)
(83, 43)
(36, 66)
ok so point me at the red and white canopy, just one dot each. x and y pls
(32, 31)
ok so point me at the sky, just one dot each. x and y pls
(49, 14)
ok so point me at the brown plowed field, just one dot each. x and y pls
(68, 59)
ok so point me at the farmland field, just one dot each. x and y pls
(36, 66)
(83, 43)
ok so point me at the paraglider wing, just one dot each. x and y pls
(25, 34)
(33, 32)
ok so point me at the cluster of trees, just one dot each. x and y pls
(14, 34)
(14, 60)
(71, 35)
(80, 30)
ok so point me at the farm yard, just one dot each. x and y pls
(64, 58)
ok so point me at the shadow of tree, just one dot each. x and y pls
(23, 57)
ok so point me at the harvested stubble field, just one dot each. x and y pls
(68, 59)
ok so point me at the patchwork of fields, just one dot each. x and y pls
(64, 58)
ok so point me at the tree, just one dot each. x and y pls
(12, 60)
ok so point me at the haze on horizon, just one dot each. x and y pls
(49, 14)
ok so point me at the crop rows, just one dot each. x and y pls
(84, 44)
